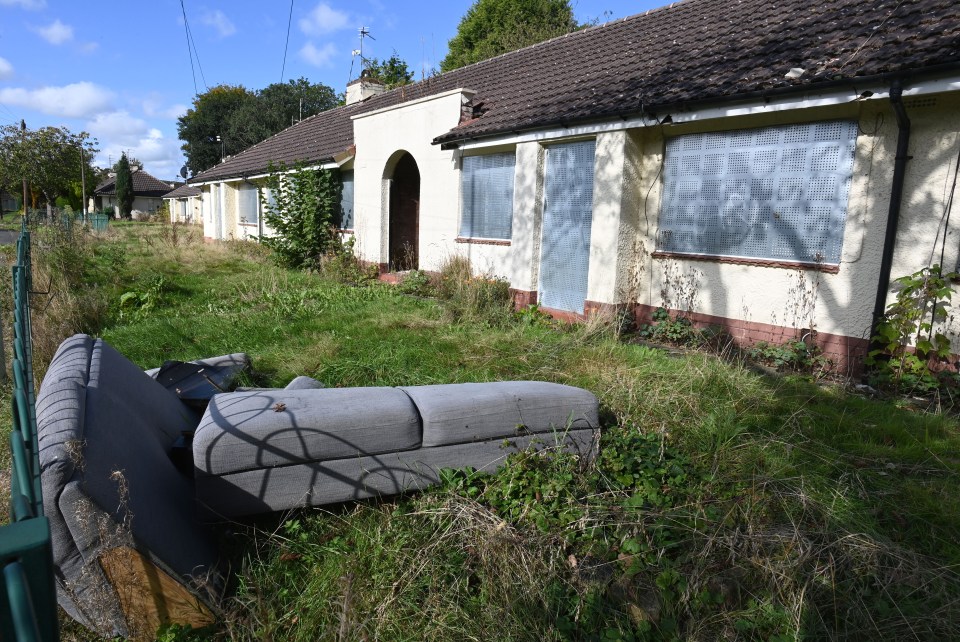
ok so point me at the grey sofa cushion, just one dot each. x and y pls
(465, 412)
(303, 383)
(264, 429)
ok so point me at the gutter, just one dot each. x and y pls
(896, 199)
(652, 110)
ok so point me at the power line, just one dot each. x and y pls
(287, 43)
(186, 30)
(197, 54)
(194, 52)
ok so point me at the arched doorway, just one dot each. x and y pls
(405, 215)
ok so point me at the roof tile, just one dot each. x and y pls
(694, 51)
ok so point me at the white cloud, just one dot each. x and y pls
(89, 47)
(56, 33)
(117, 128)
(321, 57)
(25, 4)
(6, 69)
(118, 132)
(153, 108)
(220, 22)
(76, 100)
(323, 19)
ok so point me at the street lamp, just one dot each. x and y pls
(220, 140)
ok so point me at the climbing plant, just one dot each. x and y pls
(303, 208)
(921, 305)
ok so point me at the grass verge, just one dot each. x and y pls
(723, 504)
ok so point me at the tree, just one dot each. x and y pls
(124, 187)
(49, 158)
(392, 72)
(204, 127)
(226, 120)
(492, 27)
(276, 107)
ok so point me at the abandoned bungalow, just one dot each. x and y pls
(184, 204)
(768, 167)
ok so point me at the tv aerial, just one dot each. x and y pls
(364, 33)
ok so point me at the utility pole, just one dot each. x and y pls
(23, 140)
(83, 184)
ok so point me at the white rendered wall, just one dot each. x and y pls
(379, 137)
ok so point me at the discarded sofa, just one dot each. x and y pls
(120, 512)
(132, 544)
(262, 451)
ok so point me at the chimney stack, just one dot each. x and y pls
(364, 87)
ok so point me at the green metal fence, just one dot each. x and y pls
(28, 601)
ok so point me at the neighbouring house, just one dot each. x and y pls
(766, 167)
(148, 192)
(184, 204)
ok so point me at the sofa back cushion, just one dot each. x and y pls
(465, 412)
(268, 428)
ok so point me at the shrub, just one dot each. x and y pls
(679, 330)
(416, 283)
(304, 211)
(921, 305)
(792, 355)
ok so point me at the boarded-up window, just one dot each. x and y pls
(487, 186)
(346, 201)
(776, 193)
(247, 202)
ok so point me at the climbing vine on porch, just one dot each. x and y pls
(303, 208)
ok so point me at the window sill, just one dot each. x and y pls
(245, 224)
(472, 241)
(346, 231)
(770, 263)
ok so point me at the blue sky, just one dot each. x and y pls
(121, 71)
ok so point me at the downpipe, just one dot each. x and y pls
(896, 199)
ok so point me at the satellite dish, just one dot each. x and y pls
(183, 172)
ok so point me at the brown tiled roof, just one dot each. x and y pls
(144, 184)
(691, 52)
(183, 191)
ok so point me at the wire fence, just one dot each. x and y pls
(28, 604)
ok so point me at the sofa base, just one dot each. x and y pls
(328, 482)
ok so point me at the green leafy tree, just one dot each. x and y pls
(493, 27)
(303, 210)
(226, 120)
(49, 158)
(276, 107)
(392, 72)
(208, 120)
(124, 187)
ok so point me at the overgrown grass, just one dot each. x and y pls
(722, 505)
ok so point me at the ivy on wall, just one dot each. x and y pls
(304, 211)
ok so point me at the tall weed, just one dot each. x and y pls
(468, 298)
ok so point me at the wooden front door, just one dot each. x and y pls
(405, 215)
